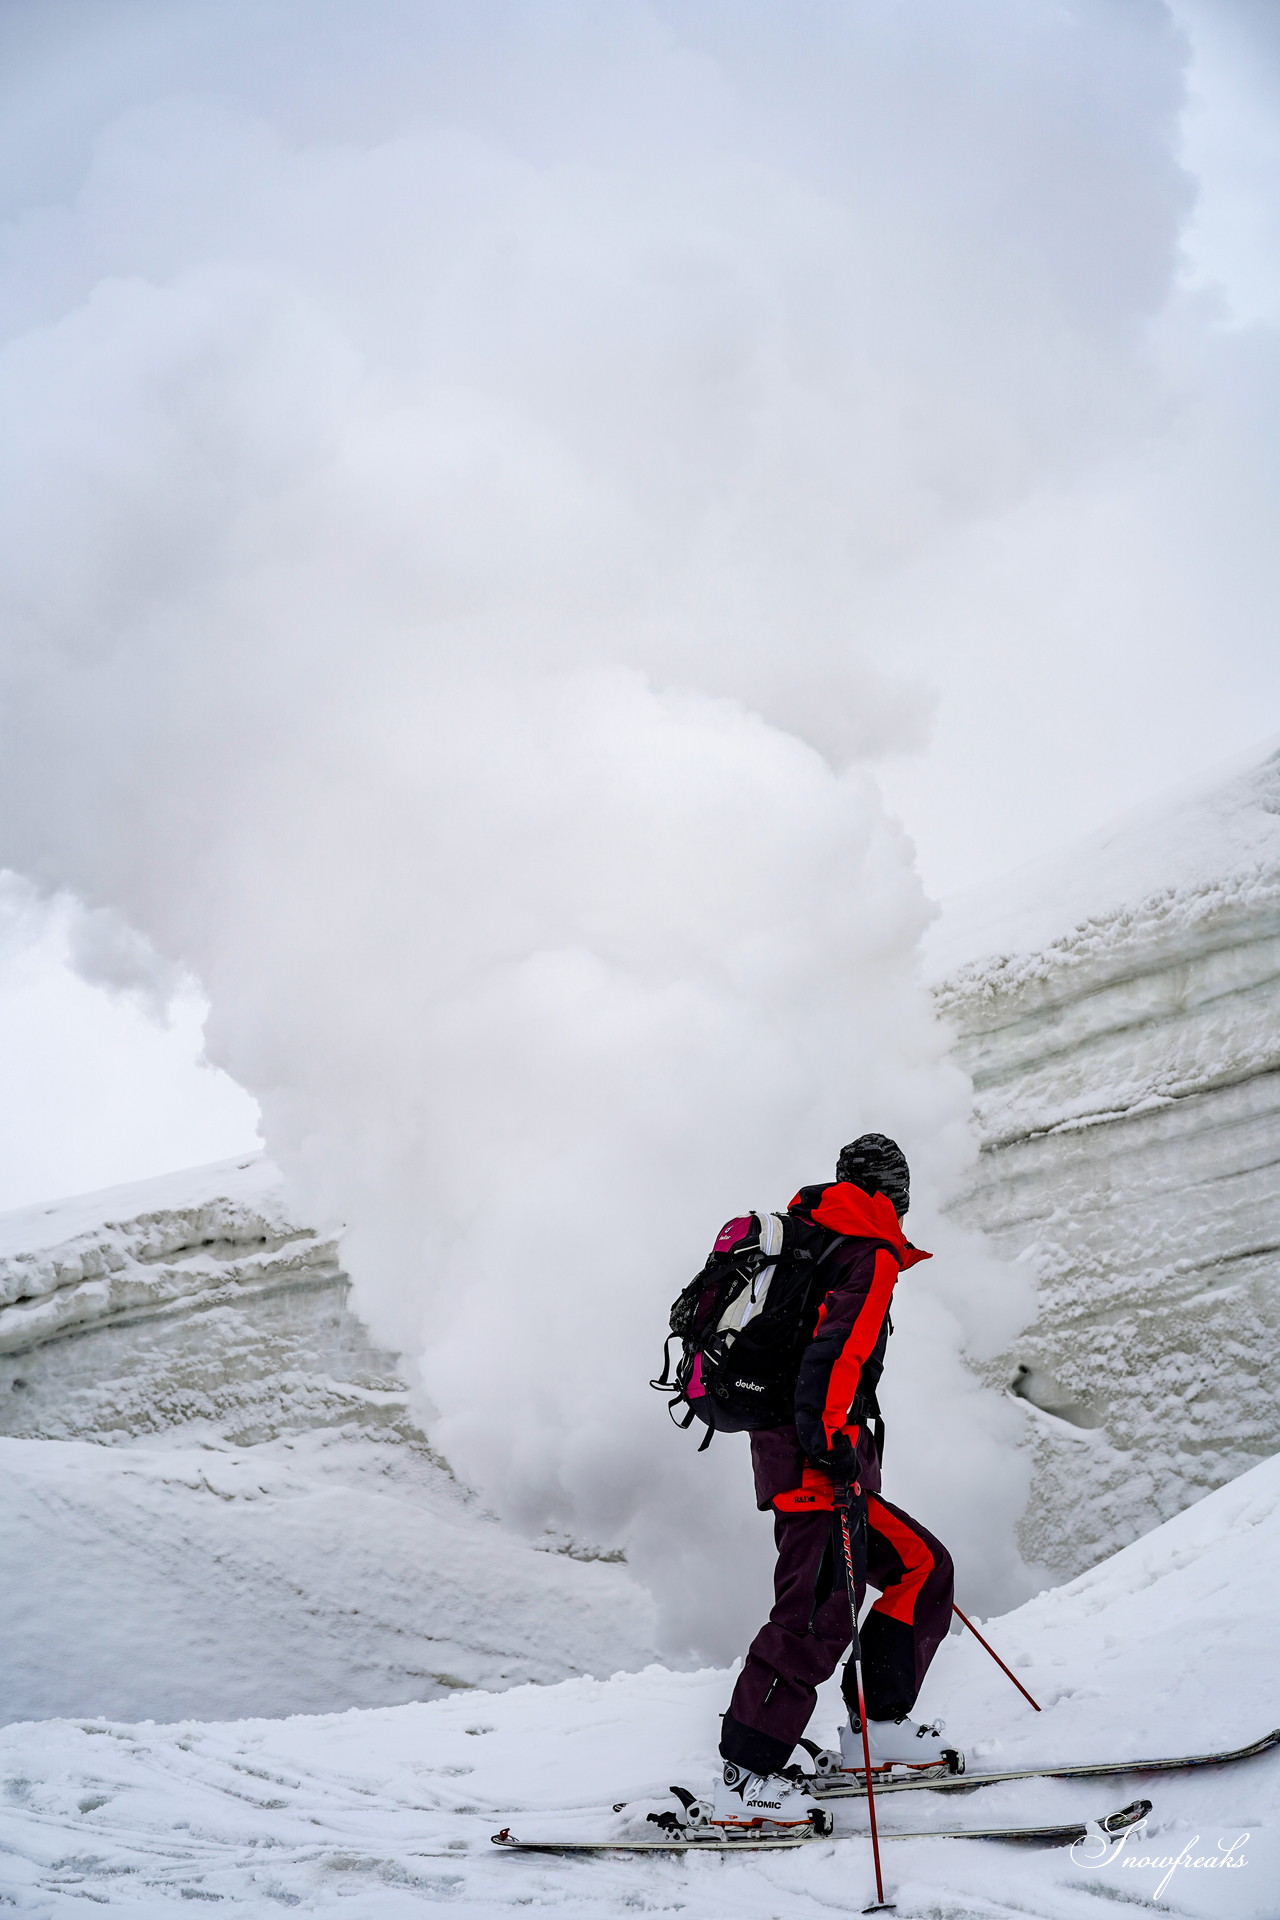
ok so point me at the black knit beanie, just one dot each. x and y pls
(877, 1164)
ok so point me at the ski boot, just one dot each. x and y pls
(766, 1802)
(896, 1746)
(902, 1745)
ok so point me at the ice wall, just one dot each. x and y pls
(1118, 1009)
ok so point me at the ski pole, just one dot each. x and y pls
(843, 1495)
(994, 1655)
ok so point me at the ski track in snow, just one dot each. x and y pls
(1167, 1647)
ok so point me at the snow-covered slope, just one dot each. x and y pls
(321, 1570)
(1118, 1009)
(215, 1497)
(1167, 1647)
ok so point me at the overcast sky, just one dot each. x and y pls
(1052, 564)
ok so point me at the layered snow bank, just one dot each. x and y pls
(1167, 1647)
(1118, 1010)
(195, 1297)
(215, 1497)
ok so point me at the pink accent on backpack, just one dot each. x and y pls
(733, 1231)
(695, 1389)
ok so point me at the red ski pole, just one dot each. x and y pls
(879, 1904)
(994, 1655)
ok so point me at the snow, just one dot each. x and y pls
(1118, 1011)
(195, 1300)
(249, 1179)
(1178, 847)
(1166, 1647)
(216, 1497)
(323, 1568)
(260, 1649)
(68, 1263)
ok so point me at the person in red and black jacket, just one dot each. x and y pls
(797, 1469)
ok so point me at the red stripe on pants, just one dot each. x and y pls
(899, 1600)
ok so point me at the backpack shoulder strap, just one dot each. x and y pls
(772, 1234)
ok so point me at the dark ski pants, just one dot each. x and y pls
(801, 1643)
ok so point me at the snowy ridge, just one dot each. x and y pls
(225, 1491)
(245, 1183)
(191, 1298)
(1221, 829)
(1126, 1078)
(1168, 1647)
(99, 1256)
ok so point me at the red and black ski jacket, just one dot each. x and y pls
(845, 1357)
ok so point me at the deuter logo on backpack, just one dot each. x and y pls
(743, 1322)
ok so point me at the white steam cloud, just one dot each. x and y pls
(450, 453)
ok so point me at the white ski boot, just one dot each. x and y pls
(766, 1801)
(898, 1744)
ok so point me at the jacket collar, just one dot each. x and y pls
(844, 1208)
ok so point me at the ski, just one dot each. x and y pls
(686, 1840)
(826, 1786)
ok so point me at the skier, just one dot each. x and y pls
(798, 1469)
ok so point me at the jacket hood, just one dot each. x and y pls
(844, 1208)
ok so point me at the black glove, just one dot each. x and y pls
(839, 1460)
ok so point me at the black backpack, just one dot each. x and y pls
(744, 1322)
